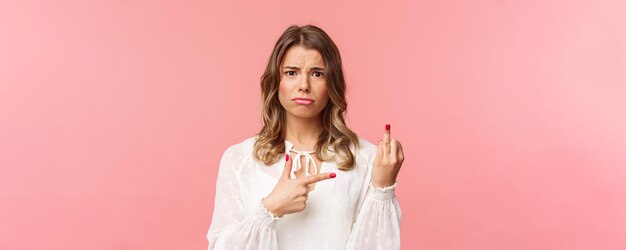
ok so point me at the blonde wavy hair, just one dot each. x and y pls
(336, 136)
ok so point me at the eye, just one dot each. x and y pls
(318, 74)
(289, 73)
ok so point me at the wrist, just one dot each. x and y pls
(269, 206)
(382, 184)
(383, 193)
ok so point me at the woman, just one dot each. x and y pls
(306, 181)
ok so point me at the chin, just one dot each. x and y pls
(305, 115)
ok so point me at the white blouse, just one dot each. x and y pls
(345, 212)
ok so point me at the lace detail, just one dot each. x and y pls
(271, 215)
(384, 188)
(384, 193)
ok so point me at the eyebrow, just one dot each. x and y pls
(312, 68)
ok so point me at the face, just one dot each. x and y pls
(303, 75)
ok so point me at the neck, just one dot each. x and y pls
(303, 132)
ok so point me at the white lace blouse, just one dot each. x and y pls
(345, 212)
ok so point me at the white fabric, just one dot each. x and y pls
(296, 164)
(345, 212)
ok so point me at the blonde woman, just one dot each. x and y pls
(306, 181)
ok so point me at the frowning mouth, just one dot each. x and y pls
(303, 101)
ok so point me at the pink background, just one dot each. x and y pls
(114, 115)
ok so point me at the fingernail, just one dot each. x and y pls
(286, 157)
(387, 127)
(332, 175)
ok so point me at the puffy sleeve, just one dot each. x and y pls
(377, 224)
(232, 226)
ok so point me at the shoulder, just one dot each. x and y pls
(243, 149)
(240, 149)
(367, 149)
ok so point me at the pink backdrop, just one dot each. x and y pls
(114, 115)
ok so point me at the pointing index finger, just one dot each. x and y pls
(317, 178)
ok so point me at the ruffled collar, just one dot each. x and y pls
(289, 146)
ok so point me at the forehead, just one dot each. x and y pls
(300, 56)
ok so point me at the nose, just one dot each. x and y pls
(304, 84)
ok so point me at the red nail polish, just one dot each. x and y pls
(387, 127)
(286, 157)
(332, 175)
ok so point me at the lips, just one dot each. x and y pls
(304, 101)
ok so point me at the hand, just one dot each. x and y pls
(388, 160)
(290, 195)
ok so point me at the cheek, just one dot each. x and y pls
(283, 91)
(324, 91)
(282, 88)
